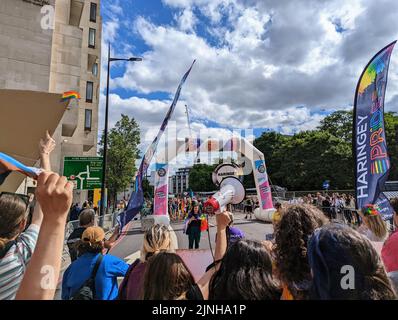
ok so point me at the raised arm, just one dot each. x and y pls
(223, 220)
(46, 146)
(54, 194)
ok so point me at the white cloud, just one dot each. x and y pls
(268, 63)
(187, 21)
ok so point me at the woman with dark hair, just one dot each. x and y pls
(194, 223)
(245, 273)
(166, 278)
(333, 251)
(298, 222)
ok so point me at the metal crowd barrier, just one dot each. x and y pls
(107, 222)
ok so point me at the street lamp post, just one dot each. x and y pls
(105, 152)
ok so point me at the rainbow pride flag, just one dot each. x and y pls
(70, 95)
(9, 164)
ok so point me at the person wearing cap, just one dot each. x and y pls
(90, 248)
(389, 252)
(193, 229)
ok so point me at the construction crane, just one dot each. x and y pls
(189, 122)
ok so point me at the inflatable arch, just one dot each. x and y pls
(237, 144)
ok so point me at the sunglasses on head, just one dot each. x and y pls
(23, 197)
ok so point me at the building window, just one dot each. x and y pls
(87, 120)
(89, 91)
(95, 69)
(91, 38)
(93, 12)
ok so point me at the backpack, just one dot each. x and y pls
(87, 290)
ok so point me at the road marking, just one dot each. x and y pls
(132, 257)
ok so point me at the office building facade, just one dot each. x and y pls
(55, 46)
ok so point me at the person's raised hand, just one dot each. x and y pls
(223, 219)
(47, 144)
(55, 195)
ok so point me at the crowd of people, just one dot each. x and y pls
(307, 258)
(181, 206)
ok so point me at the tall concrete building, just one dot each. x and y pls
(55, 46)
(179, 183)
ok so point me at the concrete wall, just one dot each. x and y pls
(25, 50)
(54, 61)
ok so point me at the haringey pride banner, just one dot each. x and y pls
(137, 197)
(372, 163)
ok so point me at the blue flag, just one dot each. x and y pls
(9, 164)
(137, 197)
(372, 163)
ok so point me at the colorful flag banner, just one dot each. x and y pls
(137, 197)
(9, 164)
(372, 163)
(70, 95)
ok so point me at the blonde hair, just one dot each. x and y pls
(12, 213)
(156, 239)
(377, 225)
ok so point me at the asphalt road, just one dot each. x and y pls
(132, 241)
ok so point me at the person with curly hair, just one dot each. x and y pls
(336, 246)
(297, 224)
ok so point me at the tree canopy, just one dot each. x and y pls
(304, 160)
(123, 141)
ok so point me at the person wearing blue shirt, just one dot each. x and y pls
(90, 248)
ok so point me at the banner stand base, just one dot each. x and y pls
(264, 214)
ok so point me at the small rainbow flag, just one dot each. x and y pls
(70, 95)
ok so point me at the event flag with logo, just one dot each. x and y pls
(372, 163)
(137, 197)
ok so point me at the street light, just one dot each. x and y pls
(132, 59)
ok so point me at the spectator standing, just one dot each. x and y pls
(17, 238)
(334, 247)
(290, 249)
(373, 227)
(156, 239)
(86, 219)
(90, 248)
(389, 253)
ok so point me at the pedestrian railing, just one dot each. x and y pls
(107, 222)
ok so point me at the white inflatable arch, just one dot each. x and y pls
(237, 144)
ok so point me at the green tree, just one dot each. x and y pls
(391, 127)
(148, 189)
(200, 178)
(339, 124)
(303, 161)
(123, 141)
(310, 157)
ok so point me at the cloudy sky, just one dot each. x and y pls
(261, 64)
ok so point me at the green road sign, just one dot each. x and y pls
(84, 172)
